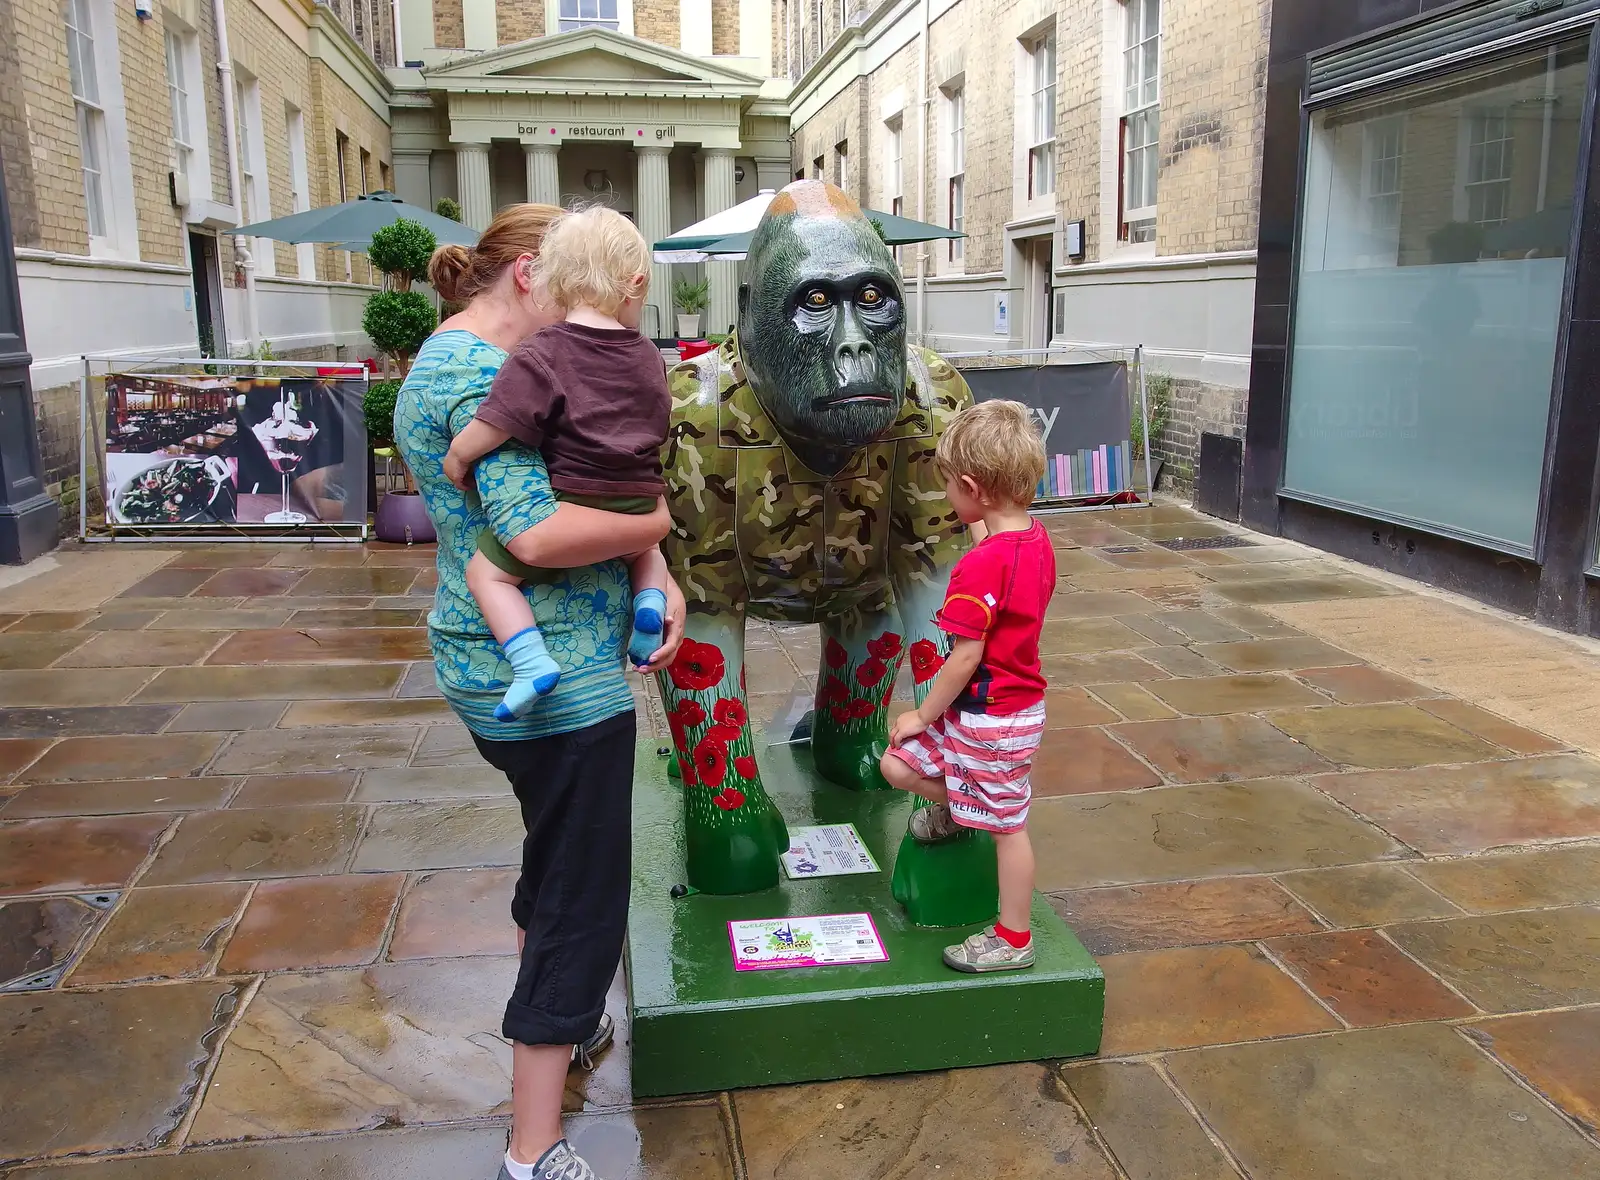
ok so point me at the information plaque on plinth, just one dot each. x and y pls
(700, 1022)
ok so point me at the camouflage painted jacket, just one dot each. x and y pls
(754, 527)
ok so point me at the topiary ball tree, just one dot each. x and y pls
(445, 207)
(398, 322)
(402, 250)
(378, 409)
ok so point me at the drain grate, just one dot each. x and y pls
(1226, 542)
(1123, 549)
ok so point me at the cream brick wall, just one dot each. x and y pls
(725, 26)
(657, 21)
(449, 28)
(518, 20)
(50, 127)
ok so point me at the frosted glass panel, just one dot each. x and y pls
(1432, 255)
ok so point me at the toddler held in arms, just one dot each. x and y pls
(590, 394)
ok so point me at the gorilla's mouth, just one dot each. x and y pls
(848, 398)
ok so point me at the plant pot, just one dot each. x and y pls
(402, 518)
(688, 327)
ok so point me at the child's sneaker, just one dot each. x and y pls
(933, 823)
(987, 951)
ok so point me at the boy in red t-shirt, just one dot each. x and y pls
(969, 748)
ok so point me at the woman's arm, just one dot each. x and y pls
(472, 444)
(574, 536)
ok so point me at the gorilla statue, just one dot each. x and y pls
(800, 474)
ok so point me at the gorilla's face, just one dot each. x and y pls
(822, 332)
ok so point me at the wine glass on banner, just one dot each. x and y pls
(285, 435)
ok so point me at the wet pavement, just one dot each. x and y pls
(1335, 842)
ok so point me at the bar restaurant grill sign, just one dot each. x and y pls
(609, 132)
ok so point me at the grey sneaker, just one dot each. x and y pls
(559, 1163)
(933, 823)
(987, 951)
(583, 1056)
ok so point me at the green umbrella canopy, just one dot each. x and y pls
(352, 224)
(897, 231)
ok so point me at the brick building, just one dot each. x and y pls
(120, 171)
(1101, 155)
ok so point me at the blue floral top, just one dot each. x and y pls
(583, 613)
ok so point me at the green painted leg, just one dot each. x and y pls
(953, 883)
(850, 729)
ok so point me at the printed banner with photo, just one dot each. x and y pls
(201, 451)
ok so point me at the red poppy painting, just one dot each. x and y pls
(699, 666)
(833, 651)
(711, 762)
(871, 673)
(730, 712)
(745, 767)
(729, 798)
(885, 647)
(925, 660)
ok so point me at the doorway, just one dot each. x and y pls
(206, 274)
(1038, 270)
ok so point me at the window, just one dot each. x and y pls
(894, 175)
(1141, 118)
(816, 27)
(384, 183)
(178, 96)
(341, 153)
(1042, 153)
(1488, 178)
(1421, 376)
(92, 146)
(816, 168)
(841, 154)
(253, 190)
(300, 185)
(589, 14)
(366, 172)
(957, 112)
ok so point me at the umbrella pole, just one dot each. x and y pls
(252, 318)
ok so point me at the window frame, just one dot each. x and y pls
(956, 185)
(1474, 116)
(89, 32)
(255, 190)
(1141, 113)
(841, 164)
(294, 122)
(578, 22)
(178, 99)
(1043, 78)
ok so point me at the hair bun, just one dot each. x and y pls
(447, 271)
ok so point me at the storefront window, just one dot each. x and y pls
(1433, 247)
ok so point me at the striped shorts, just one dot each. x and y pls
(985, 760)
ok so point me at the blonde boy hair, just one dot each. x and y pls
(997, 446)
(594, 257)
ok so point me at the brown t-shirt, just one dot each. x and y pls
(593, 401)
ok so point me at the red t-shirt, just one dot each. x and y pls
(998, 593)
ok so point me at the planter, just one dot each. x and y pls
(688, 327)
(403, 519)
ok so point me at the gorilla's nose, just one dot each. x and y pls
(854, 362)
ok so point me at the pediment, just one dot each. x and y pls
(592, 56)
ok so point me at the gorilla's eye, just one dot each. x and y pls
(817, 299)
(871, 296)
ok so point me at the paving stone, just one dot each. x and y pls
(268, 683)
(1143, 559)
(1513, 962)
(87, 719)
(1180, 833)
(1148, 1129)
(311, 922)
(1490, 727)
(418, 711)
(1067, 708)
(457, 912)
(94, 759)
(1182, 577)
(18, 753)
(228, 716)
(41, 934)
(1072, 560)
(1179, 661)
(250, 583)
(1187, 913)
(1077, 636)
(1367, 895)
(132, 649)
(419, 681)
(167, 933)
(1409, 1101)
(291, 751)
(1132, 701)
(221, 557)
(1357, 684)
(257, 843)
(71, 686)
(358, 617)
(1154, 629)
(442, 836)
(1218, 749)
(1085, 604)
(121, 620)
(220, 618)
(295, 603)
(1363, 978)
(1451, 810)
(314, 556)
(1104, 668)
(327, 645)
(290, 790)
(387, 1045)
(1085, 760)
(1005, 1120)
(1212, 695)
(422, 783)
(1518, 881)
(167, 583)
(1203, 626)
(1382, 736)
(1262, 626)
(75, 855)
(22, 652)
(363, 580)
(49, 621)
(1301, 590)
(1556, 1052)
(125, 797)
(1275, 655)
(1203, 995)
(1172, 530)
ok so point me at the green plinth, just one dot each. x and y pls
(700, 1025)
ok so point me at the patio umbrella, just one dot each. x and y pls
(699, 244)
(350, 226)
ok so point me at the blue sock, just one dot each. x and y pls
(649, 618)
(533, 674)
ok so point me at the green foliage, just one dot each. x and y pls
(397, 322)
(690, 297)
(378, 409)
(262, 352)
(402, 251)
(445, 207)
(1158, 396)
(877, 228)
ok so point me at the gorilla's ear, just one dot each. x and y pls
(744, 299)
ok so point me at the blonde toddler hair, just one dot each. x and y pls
(594, 257)
(996, 444)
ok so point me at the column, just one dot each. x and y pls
(652, 208)
(544, 172)
(472, 181)
(724, 276)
